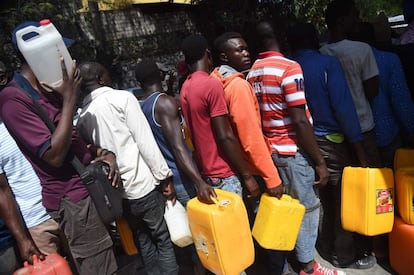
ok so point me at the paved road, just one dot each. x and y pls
(133, 266)
(378, 269)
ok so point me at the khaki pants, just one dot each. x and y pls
(88, 238)
(47, 236)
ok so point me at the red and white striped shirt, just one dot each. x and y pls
(278, 84)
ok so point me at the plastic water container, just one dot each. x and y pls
(42, 48)
(126, 236)
(367, 203)
(404, 187)
(54, 264)
(221, 233)
(278, 222)
(401, 247)
(177, 223)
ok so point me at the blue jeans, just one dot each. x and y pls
(298, 176)
(231, 184)
(145, 216)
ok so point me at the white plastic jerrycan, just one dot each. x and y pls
(177, 223)
(42, 48)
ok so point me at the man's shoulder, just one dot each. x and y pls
(387, 54)
(113, 96)
(13, 97)
(279, 66)
(355, 46)
(239, 81)
(210, 80)
(118, 93)
(202, 83)
(348, 48)
(166, 103)
(271, 60)
(12, 90)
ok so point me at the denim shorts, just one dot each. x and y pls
(298, 177)
(231, 184)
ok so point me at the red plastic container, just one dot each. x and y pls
(54, 264)
(401, 243)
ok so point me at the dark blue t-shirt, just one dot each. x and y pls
(179, 177)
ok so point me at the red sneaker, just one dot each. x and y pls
(322, 270)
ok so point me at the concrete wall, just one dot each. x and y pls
(134, 34)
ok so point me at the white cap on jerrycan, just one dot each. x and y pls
(42, 48)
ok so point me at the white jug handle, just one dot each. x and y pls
(26, 30)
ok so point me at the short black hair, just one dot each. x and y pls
(220, 44)
(194, 48)
(90, 72)
(269, 31)
(302, 35)
(147, 72)
(367, 33)
(336, 9)
(265, 29)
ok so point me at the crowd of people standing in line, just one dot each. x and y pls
(285, 123)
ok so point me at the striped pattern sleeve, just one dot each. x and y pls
(22, 179)
(278, 84)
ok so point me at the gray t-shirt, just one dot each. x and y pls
(359, 64)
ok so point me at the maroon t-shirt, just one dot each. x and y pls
(202, 98)
(34, 138)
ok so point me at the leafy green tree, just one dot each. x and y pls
(371, 8)
(212, 17)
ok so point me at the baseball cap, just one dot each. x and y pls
(25, 24)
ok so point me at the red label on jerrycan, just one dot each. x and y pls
(367, 203)
(54, 264)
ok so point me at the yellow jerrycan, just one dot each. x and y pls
(221, 233)
(367, 203)
(403, 158)
(404, 188)
(126, 237)
(278, 222)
